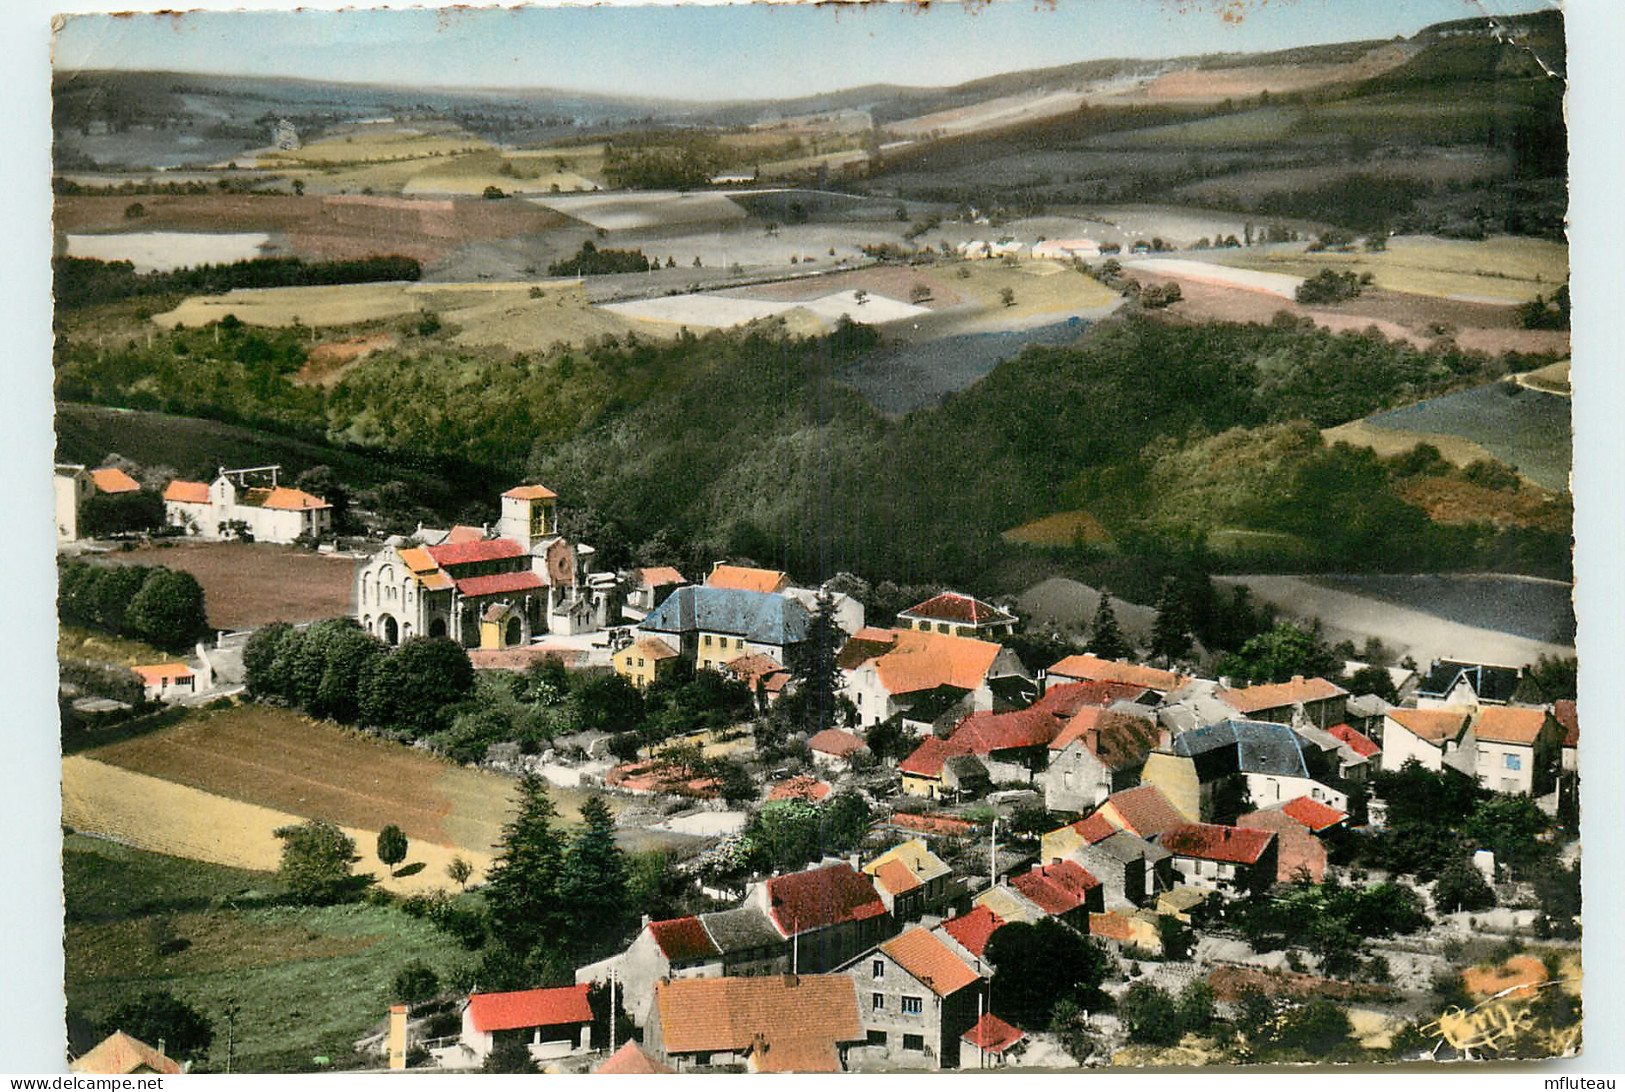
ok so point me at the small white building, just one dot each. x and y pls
(229, 508)
(552, 1023)
(167, 682)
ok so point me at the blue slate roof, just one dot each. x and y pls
(1489, 682)
(756, 616)
(1243, 746)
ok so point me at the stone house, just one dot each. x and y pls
(916, 998)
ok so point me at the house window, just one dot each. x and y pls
(878, 968)
(913, 1006)
(707, 640)
(942, 627)
(877, 1002)
(877, 1037)
(914, 1042)
(640, 661)
(1513, 762)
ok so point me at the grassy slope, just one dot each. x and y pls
(307, 981)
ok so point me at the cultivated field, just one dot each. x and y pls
(247, 584)
(1501, 270)
(722, 310)
(313, 226)
(1526, 429)
(653, 208)
(521, 316)
(1184, 269)
(150, 251)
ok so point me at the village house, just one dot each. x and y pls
(940, 769)
(1209, 772)
(886, 674)
(229, 508)
(971, 931)
(917, 997)
(743, 578)
(74, 485)
(1299, 852)
(1128, 928)
(1098, 752)
(552, 1023)
(1130, 868)
(650, 587)
(912, 881)
(1087, 668)
(763, 676)
(1456, 683)
(1062, 889)
(1309, 701)
(711, 627)
(959, 616)
(120, 1055)
(1430, 736)
(828, 914)
(772, 1024)
(167, 682)
(1513, 750)
(1329, 756)
(1230, 860)
(644, 660)
(1360, 744)
(832, 749)
(1567, 715)
(1009, 905)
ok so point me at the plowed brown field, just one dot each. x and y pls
(247, 584)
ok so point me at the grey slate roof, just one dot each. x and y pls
(740, 929)
(755, 616)
(1243, 746)
(1489, 682)
(1126, 847)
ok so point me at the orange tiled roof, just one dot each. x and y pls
(972, 930)
(683, 939)
(111, 479)
(799, 1019)
(993, 1035)
(461, 533)
(1312, 813)
(1357, 741)
(1433, 725)
(119, 1054)
(1143, 810)
(1507, 724)
(1252, 699)
(156, 674)
(1056, 888)
(800, 788)
(1095, 828)
(530, 492)
(834, 741)
(740, 578)
(1214, 842)
(925, 661)
(1094, 669)
(463, 553)
(925, 957)
(1117, 739)
(499, 583)
(932, 824)
(631, 1061)
(287, 499)
(895, 877)
(926, 760)
(1297, 851)
(184, 492)
(658, 576)
(654, 648)
(529, 1008)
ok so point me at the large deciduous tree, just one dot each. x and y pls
(414, 687)
(1039, 965)
(392, 846)
(317, 858)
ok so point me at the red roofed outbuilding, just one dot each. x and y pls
(991, 1037)
(973, 929)
(551, 1022)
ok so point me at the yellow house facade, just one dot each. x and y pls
(1176, 776)
(645, 660)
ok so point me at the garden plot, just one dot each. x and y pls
(624, 211)
(1273, 284)
(708, 309)
(162, 251)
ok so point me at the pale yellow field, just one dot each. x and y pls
(381, 142)
(1041, 287)
(163, 817)
(1392, 441)
(487, 313)
(1503, 269)
(1553, 378)
(1060, 529)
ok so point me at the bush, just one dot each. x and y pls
(1331, 286)
(415, 983)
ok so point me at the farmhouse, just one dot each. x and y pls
(920, 997)
(1084, 668)
(229, 508)
(74, 485)
(911, 880)
(1514, 750)
(120, 1054)
(890, 670)
(167, 682)
(1098, 752)
(1431, 736)
(1311, 701)
(828, 914)
(650, 588)
(644, 660)
(958, 615)
(772, 1024)
(1207, 772)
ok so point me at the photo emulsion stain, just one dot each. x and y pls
(877, 556)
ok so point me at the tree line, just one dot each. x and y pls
(82, 282)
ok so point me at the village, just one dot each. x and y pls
(898, 844)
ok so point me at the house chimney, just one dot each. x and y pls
(397, 1037)
(1297, 680)
(1043, 681)
(646, 920)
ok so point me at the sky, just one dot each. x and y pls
(713, 53)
